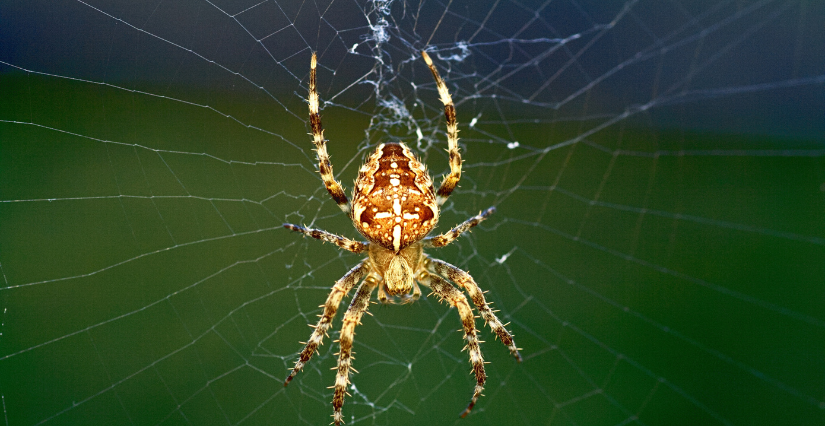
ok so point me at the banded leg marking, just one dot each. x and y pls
(324, 165)
(466, 281)
(319, 234)
(454, 297)
(451, 180)
(339, 290)
(360, 303)
(451, 235)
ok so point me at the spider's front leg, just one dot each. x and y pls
(339, 290)
(356, 310)
(464, 279)
(454, 297)
(324, 165)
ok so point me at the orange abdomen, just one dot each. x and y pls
(393, 202)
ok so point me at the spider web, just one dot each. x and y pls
(657, 166)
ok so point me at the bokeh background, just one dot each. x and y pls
(658, 169)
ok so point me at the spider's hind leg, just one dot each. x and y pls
(451, 180)
(324, 165)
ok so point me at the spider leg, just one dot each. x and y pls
(319, 234)
(451, 180)
(356, 310)
(464, 279)
(324, 166)
(454, 297)
(341, 288)
(451, 235)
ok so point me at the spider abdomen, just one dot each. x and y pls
(393, 202)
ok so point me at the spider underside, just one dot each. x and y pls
(394, 205)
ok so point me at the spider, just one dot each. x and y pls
(395, 206)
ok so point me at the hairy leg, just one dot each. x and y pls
(454, 297)
(319, 234)
(451, 180)
(451, 235)
(360, 303)
(324, 165)
(339, 290)
(464, 279)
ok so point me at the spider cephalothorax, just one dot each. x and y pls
(395, 206)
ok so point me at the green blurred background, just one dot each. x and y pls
(660, 262)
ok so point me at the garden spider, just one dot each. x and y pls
(395, 206)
